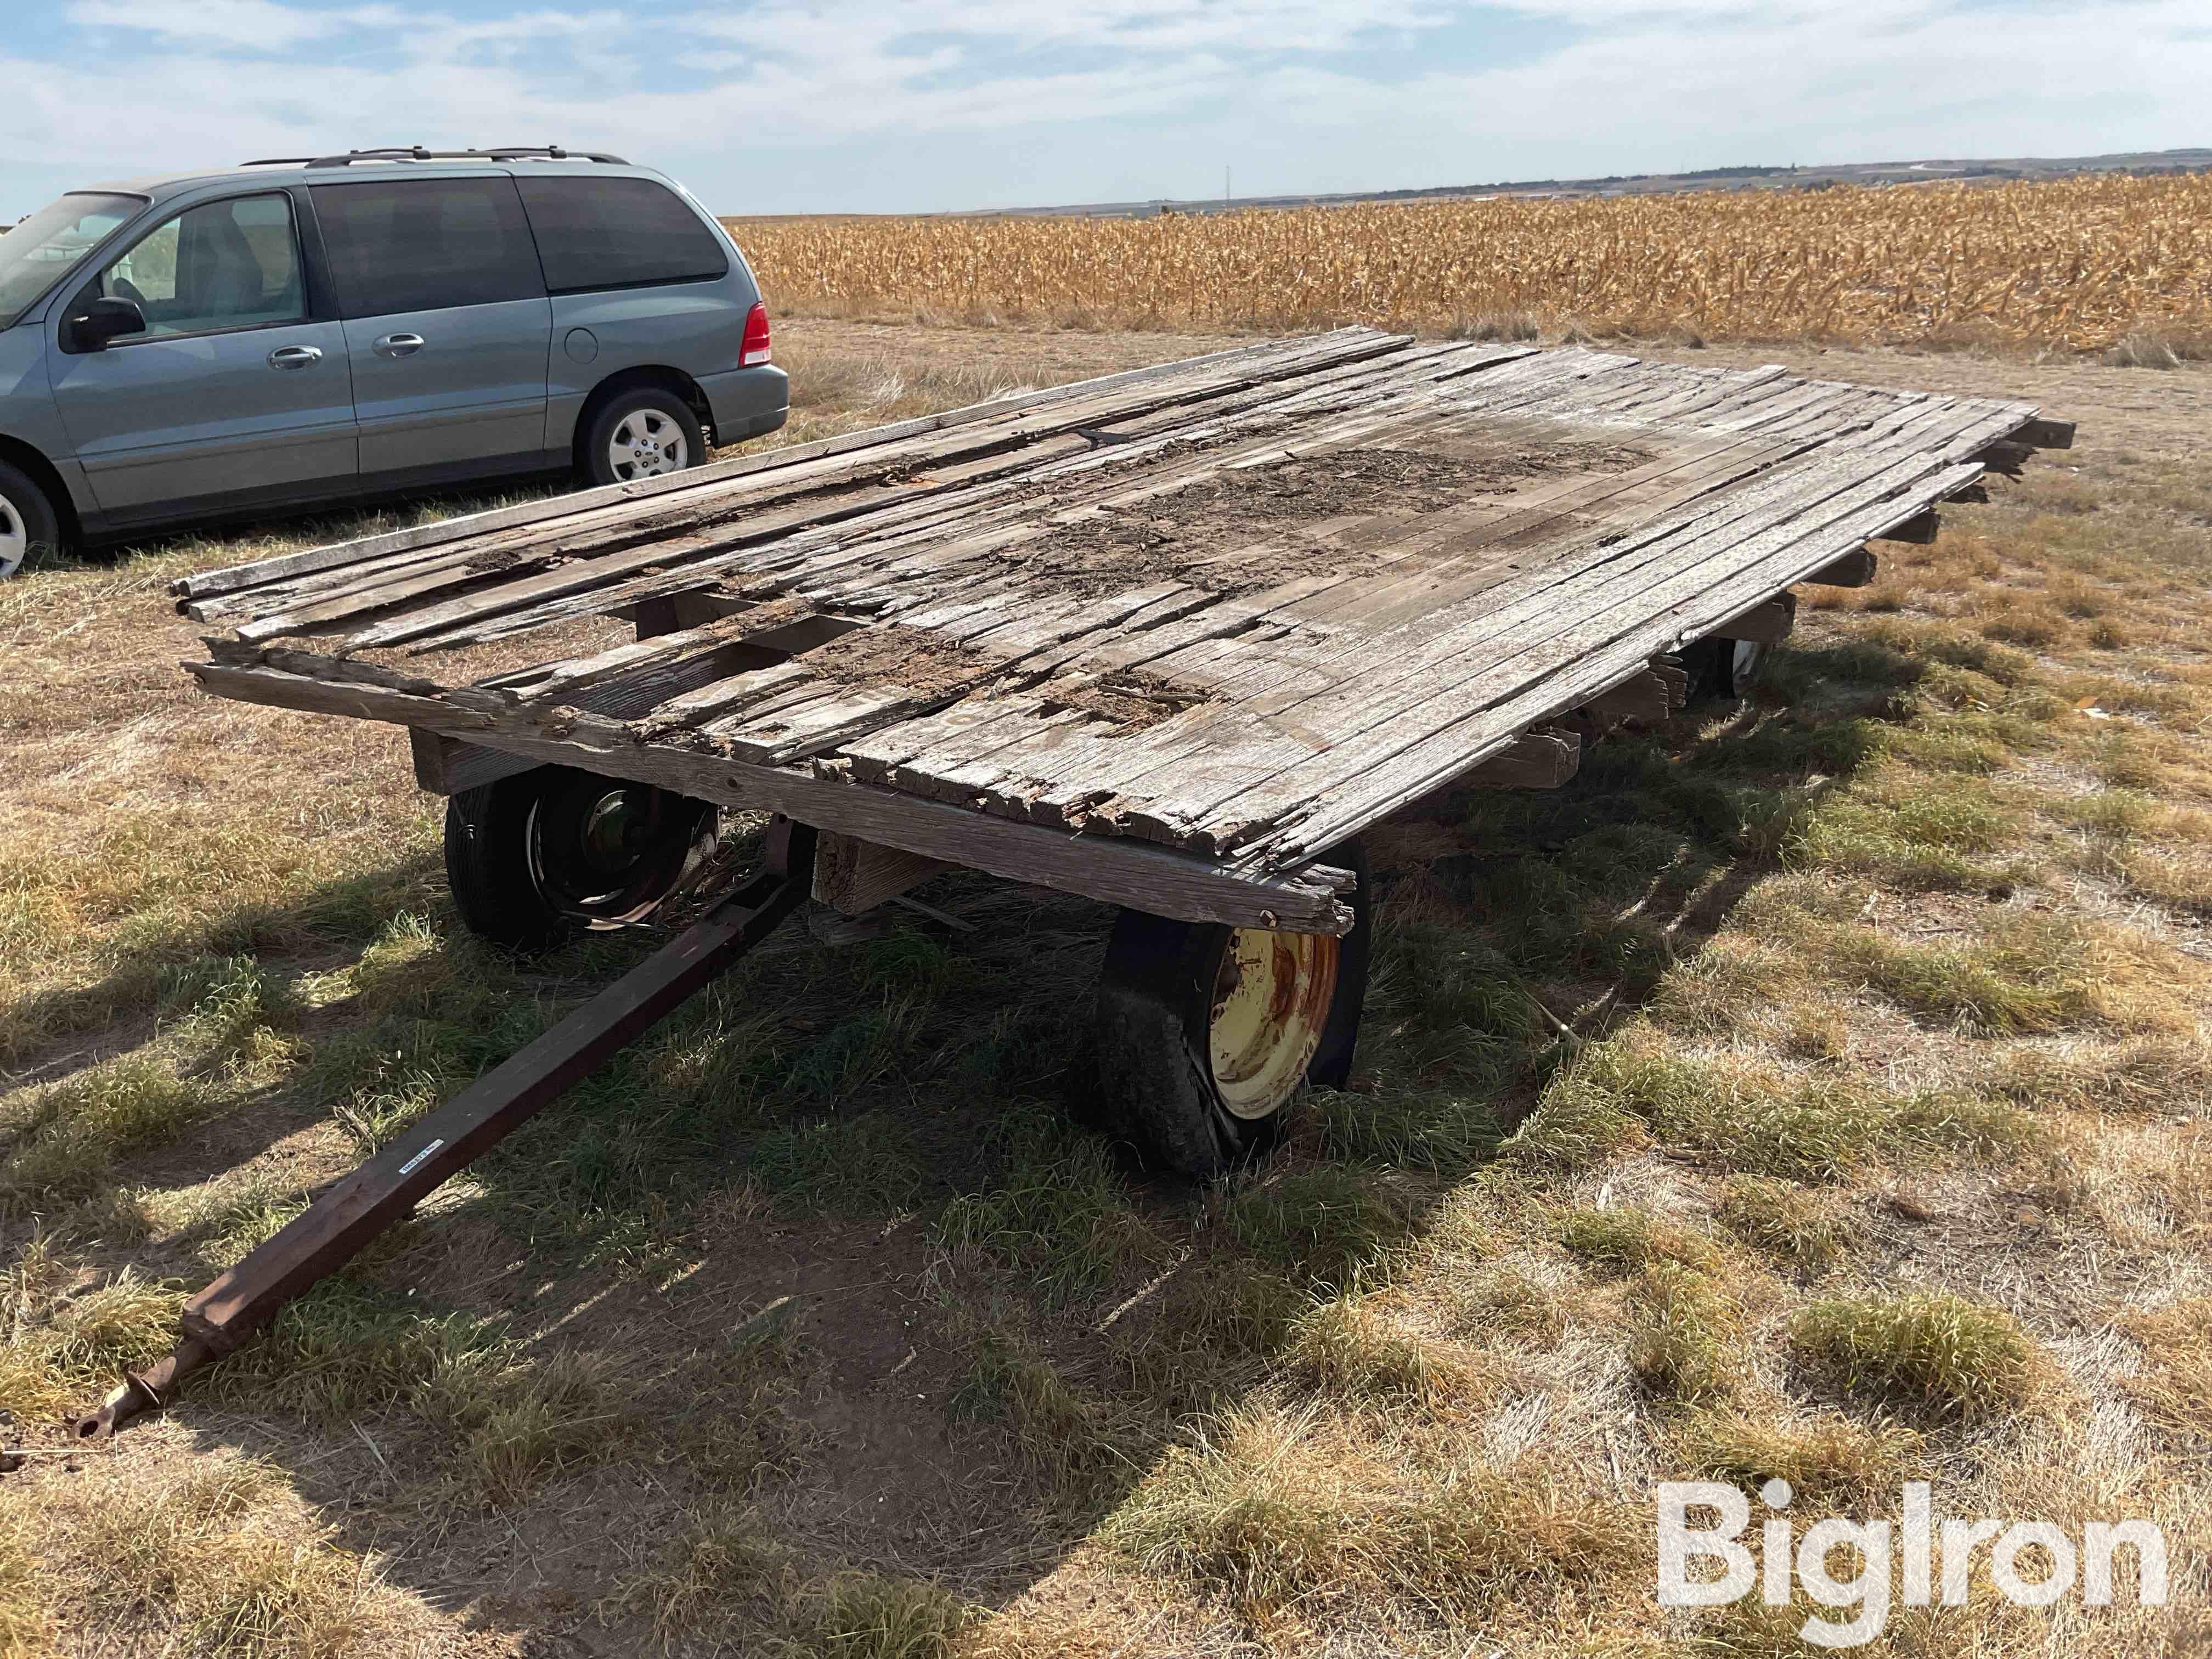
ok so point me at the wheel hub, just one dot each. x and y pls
(646, 444)
(14, 540)
(604, 853)
(611, 832)
(1271, 1000)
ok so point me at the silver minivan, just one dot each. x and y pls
(291, 333)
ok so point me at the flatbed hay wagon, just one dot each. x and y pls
(1171, 639)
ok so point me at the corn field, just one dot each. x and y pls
(2076, 263)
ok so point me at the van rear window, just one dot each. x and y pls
(617, 233)
(426, 245)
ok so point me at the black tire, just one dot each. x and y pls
(536, 858)
(1726, 669)
(1151, 1081)
(647, 406)
(28, 520)
(1331, 1066)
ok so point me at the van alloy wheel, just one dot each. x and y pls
(15, 539)
(644, 444)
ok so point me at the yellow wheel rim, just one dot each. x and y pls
(1270, 999)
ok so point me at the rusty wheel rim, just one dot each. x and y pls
(1271, 1000)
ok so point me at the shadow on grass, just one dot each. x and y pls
(329, 924)
(828, 1250)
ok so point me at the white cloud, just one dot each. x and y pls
(258, 24)
(887, 104)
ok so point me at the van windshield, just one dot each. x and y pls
(35, 253)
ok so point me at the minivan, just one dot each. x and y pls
(291, 333)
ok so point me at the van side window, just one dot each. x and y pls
(224, 264)
(426, 245)
(617, 233)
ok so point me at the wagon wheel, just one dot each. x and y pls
(1203, 1034)
(1725, 668)
(534, 858)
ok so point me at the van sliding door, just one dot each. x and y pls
(446, 323)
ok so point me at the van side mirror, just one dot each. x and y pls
(103, 320)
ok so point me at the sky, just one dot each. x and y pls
(913, 105)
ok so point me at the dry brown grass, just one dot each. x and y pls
(219, 1558)
(27, 1626)
(1886, 1105)
(2175, 1385)
(1302, 1517)
(2104, 263)
(1829, 1460)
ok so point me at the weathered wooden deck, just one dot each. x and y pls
(1163, 637)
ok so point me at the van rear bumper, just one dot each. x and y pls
(747, 402)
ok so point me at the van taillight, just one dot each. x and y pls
(755, 348)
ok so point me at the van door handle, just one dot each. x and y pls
(399, 345)
(294, 357)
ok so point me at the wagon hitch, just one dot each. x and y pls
(336, 1226)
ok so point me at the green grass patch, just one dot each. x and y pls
(1223, 1306)
(2029, 972)
(232, 1006)
(1578, 1122)
(1330, 1228)
(344, 1351)
(1273, 1512)
(872, 1616)
(26, 1622)
(68, 1137)
(1828, 1461)
(1061, 1431)
(1445, 1133)
(1350, 1347)
(1754, 1120)
(1506, 1299)
(1061, 1213)
(1627, 1240)
(510, 1422)
(62, 1349)
(526, 1425)
(223, 1559)
(724, 1565)
(1802, 1229)
(1683, 1332)
(1927, 1350)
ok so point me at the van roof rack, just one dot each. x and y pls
(417, 153)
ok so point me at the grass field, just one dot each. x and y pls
(1818, 1089)
(2108, 264)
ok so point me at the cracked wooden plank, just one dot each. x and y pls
(1249, 688)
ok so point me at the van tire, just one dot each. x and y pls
(659, 419)
(27, 519)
